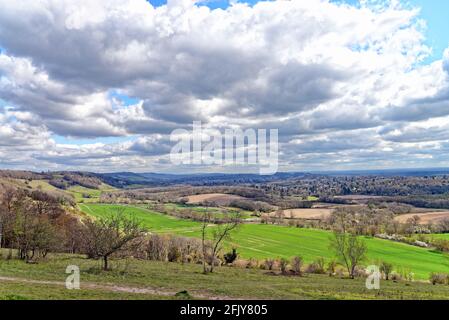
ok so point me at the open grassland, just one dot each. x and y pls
(28, 184)
(270, 241)
(41, 184)
(79, 193)
(134, 279)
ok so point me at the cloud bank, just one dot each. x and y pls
(346, 86)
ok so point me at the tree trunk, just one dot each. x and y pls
(105, 263)
(352, 272)
(1, 234)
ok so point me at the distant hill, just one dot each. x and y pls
(128, 179)
(67, 179)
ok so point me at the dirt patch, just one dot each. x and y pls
(426, 218)
(220, 199)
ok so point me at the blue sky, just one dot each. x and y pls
(435, 12)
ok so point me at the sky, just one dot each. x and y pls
(100, 86)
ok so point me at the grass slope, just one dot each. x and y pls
(93, 195)
(268, 241)
(129, 276)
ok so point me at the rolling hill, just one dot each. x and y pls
(270, 241)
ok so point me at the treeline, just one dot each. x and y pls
(66, 180)
(329, 186)
(60, 180)
(24, 175)
(432, 202)
(36, 223)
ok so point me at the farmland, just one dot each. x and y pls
(270, 241)
(315, 213)
(425, 218)
(219, 198)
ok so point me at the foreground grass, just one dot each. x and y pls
(270, 241)
(10, 290)
(171, 278)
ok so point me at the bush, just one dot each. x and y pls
(283, 263)
(439, 278)
(441, 245)
(230, 256)
(360, 272)
(331, 268)
(317, 267)
(297, 263)
(252, 263)
(396, 276)
(340, 272)
(240, 263)
(386, 268)
(269, 264)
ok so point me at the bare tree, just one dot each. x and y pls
(297, 263)
(7, 199)
(350, 249)
(106, 236)
(205, 223)
(220, 232)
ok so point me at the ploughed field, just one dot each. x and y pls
(270, 241)
(308, 214)
(219, 198)
(426, 217)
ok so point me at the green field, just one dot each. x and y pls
(153, 221)
(444, 236)
(269, 241)
(136, 279)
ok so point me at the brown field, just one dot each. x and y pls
(310, 214)
(426, 218)
(221, 199)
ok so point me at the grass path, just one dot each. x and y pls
(113, 288)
